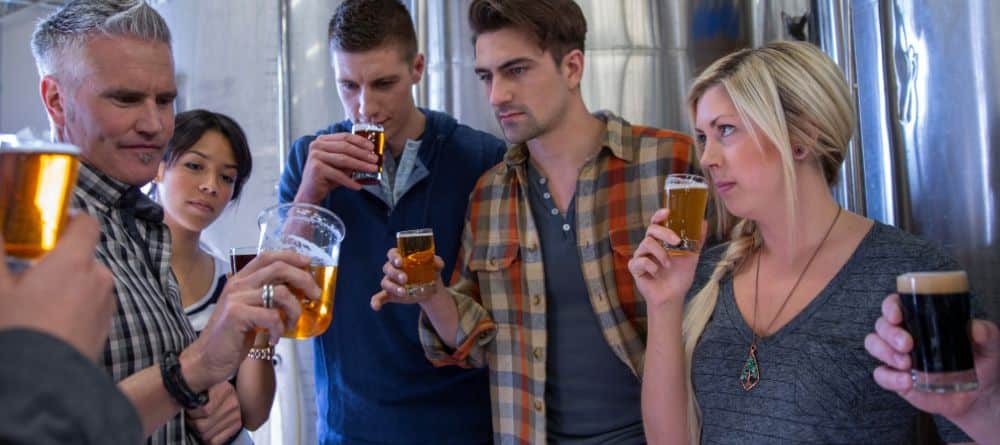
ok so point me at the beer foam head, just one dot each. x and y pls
(364, 126)
(949, 282)
(415, 233)
(685, 185)
(9, 144)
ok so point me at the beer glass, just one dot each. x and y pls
(376, 134)
(36, 186)
(239, 257)
(416, 248)
(687, 196)
(313, 232)
(937, 314)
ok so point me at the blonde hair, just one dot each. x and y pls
(796, 97)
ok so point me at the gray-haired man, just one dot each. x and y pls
(108, 87)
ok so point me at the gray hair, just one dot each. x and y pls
(71, 26)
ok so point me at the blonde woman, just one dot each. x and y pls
(769, 347)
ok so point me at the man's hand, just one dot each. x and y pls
(220, 419)
(67, 294)
(230, 332)
(331, 160)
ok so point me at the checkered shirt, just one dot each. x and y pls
(500, 284)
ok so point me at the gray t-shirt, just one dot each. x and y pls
(816, 382)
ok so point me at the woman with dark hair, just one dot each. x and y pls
(205, 167)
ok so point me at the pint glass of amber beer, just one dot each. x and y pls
(687, 196)
(416, 248)
(313, 232)
(36, 186)
(937, 313)
(376, 134)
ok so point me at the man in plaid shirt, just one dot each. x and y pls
(544, 297)
(107, 84)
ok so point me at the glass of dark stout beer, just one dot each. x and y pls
(239, 257)
(376, 134)
(938, 315)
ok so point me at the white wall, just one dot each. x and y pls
(20, 103)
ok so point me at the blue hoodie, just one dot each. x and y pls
(373, 383)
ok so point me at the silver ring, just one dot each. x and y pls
(267, 295)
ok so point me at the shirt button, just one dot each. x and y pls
(566, 227)
(555, 211)
(276, 360)
(600, 297)
(536, 300)
(542, 181)
(538, 353)
(538, 405)
(547, 195)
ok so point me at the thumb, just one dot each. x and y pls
(986, 338)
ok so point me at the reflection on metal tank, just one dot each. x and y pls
(928, 109)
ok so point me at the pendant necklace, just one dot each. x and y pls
(750, 375)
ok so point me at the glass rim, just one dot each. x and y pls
(687, 176)
(365, 126)
(12, 144)
(337, 223)
(243, 250)
(414, 232)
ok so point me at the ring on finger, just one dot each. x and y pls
(267, 296)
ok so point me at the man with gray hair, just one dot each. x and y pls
(107, 83)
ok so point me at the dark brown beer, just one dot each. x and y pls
(36, 186)
(416, 247)
(937, 314)
(375, 134)
(316, 314)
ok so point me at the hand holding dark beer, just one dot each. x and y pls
(892, 345)
(332, 160)
(230, 332)
(75, 308)
(394, 284)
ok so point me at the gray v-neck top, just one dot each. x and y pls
(816, 381)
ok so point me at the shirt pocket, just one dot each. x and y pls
(498, 269)
(624, 242)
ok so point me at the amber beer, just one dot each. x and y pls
(376, 134)
(687, 197)
(937, 313)
(316, 314)
(313, 232)
(416, 248)
(36, 185)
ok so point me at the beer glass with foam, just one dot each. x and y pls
(416, 248)
(938, 315)
(376, 134)
(687, 196)
(313, 232)
(36, 186)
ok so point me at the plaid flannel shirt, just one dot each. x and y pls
(500, 289)
(149, 318)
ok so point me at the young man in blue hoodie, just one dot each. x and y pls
(373, 383)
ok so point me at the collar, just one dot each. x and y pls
(617, 139)
(108, 194)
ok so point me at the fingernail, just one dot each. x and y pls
(399, 277)
(396, 263)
